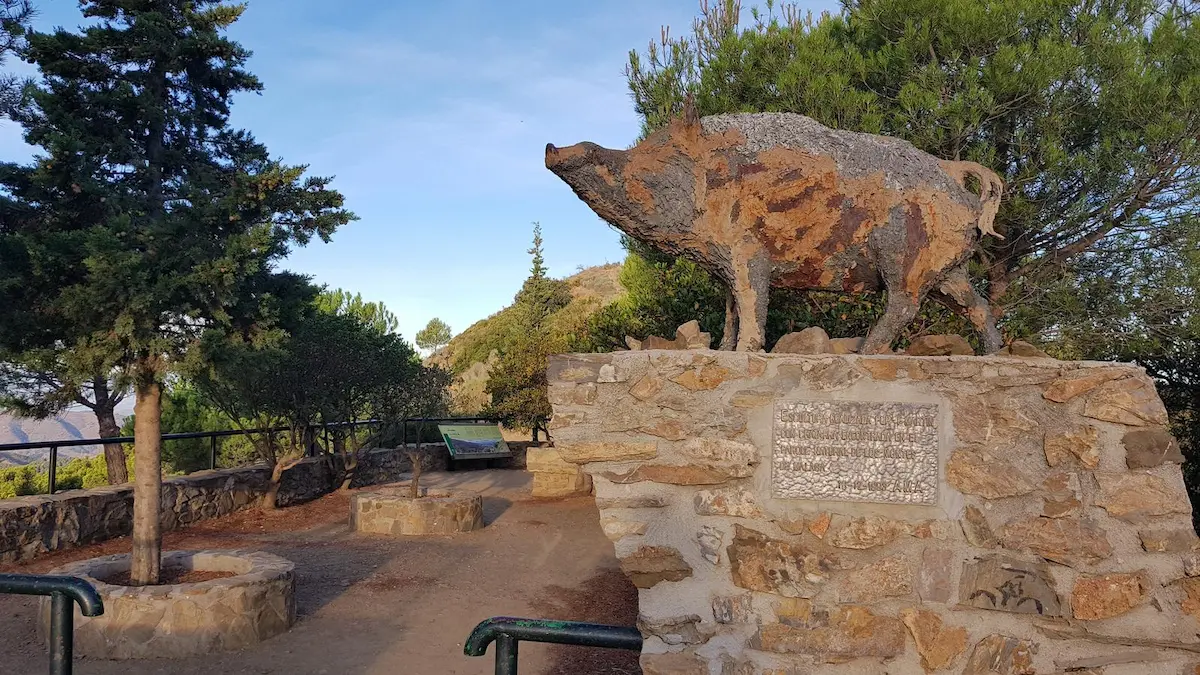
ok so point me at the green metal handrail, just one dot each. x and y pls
(507, 632)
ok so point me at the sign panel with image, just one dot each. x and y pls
(474, 441)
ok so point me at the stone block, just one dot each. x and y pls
(649, 566)
(1169, 540)
(632, 502)
(976, 529)
(940, 345)
(812, 340)
(677, 475)
(733, 608)
(547, 460)
(710, 540)
(1081, 381)
(553, 485)
(934, 582)
(1131, 401)
(735, 502)
(1134, 497)
(760, 563)
(1001, 655)
(864, 533)
(937, 643)
(618, 528)
(844, 632)
(674, 630)
(1069, 541)
(1148, 448)
(1080, 443)
(825, 585)
(703, 377)
(611, 451)
(1107, 595)
(1009, 585)
(977, 472)
(890, 577)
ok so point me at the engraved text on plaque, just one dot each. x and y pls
(856, 451)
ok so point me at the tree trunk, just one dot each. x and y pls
(102, 407)
(415, 457)
(147, 487)
(271, 500)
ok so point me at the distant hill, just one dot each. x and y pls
(470, 354)
(68, 425)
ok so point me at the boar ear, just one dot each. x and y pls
(691, 116)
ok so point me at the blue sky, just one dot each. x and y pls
(433, 117)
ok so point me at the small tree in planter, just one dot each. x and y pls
(430, 398)
(407, 403)
(329, 368)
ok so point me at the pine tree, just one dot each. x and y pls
(434, 335)
(146, 220)
(538, 271)
(14, 18)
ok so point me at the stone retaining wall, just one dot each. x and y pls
(39, 524)
(387, 465)
(1038, 520)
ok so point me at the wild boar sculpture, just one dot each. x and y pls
(777, 199)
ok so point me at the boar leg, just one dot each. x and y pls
(901, 310)
(957, 293)
(751, 288)
(729, 336)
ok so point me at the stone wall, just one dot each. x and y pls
(1037, 523)
(38, 524)
(387, 465)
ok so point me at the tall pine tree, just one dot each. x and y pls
(146, 220)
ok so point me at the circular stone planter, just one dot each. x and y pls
(181, 620)
(392, 511)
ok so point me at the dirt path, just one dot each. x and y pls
(379, 606)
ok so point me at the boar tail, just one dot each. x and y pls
(991, 188)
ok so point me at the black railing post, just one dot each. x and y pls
(506, 655)
(62, 634)
(212, 453)
(53, 478)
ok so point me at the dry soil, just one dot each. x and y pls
(378, 605)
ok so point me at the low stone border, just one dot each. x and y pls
(391, 511)
(176, 621)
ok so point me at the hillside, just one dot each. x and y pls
(471, 353)
(73, 424)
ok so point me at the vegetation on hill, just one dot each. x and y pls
(472, 354)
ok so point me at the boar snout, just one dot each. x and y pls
(581, 153)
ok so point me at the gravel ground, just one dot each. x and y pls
(397, 606)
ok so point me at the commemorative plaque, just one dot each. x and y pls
(858, 451)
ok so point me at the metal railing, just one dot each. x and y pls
(52, 468)
(63, 592)
(508, 632)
